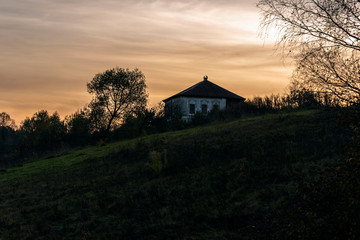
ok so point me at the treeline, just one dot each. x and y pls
(295, 99)
(46, 134)
(118, 110)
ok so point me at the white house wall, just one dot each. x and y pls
(210, 102)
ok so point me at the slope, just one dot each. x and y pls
(224, 181)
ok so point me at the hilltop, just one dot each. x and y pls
(223, 181)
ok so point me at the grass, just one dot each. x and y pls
(224, 181)
(71, 160)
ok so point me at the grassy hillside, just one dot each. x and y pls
(225, 181)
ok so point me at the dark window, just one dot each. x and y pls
(192, 108)
(216, 106)
(204, 108)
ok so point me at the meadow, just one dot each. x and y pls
(230, 180)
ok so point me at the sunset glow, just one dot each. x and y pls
(50, 49)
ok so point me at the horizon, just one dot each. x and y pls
(50, 50)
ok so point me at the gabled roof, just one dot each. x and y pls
(207, 89)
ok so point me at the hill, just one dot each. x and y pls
(235, 180)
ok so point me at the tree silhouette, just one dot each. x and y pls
(117, 93)
(6, 121)
(324, 38)
(79, 127)
(43, 131)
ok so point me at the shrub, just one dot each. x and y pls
(157, 162)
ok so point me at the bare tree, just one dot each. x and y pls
(324, 38)
(332, 71)
(117, 92)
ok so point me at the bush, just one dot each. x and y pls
(157, 162)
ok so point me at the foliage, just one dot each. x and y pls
(8, 139)
(142, 122)
(38, 136)
(79, 127)
(7, 127)
(6, 121)
(117, 93)
(323, 37)
(157, 162)
(297, 99)
(42, 132)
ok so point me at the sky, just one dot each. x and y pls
(50, 49)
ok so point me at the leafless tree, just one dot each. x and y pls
(324, 38)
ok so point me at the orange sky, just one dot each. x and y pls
(50, 49)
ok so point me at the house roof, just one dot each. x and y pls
(206, 89)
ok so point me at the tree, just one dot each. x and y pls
(7, 125)
(43, 131)
(146, 121)
(324, 38)
(79, 127)
(8, 139)
(6, 121)
(117, 93)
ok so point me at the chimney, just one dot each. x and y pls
(205, 78)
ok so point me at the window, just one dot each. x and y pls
(203, 108)
(192, 108)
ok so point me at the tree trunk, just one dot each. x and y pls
(107, 130)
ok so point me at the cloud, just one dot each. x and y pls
(50, 49)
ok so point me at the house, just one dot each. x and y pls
(202, 97)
